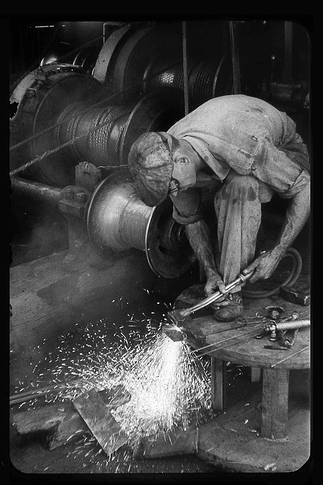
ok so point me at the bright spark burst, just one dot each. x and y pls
(168, 387)
(168, 384)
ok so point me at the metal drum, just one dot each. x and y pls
(104, 135)
(118, 220)
(49, 91)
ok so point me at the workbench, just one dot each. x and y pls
(227, 342)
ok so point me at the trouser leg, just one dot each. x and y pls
(238, 209)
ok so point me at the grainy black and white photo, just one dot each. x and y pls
(160, 248)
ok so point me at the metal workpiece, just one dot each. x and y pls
(118, 220)
(174, 332)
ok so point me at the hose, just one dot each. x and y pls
(290, 280)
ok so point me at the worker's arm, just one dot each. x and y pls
(296, 216)
(199, 238)
(188, 210)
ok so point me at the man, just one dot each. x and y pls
(252, 150)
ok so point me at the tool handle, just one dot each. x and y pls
(216, 296)
(292, 325)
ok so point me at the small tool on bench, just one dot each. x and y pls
(293, 295)
(275, 327)
(284, 334)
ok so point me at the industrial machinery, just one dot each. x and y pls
(67, 117)
(75, 123)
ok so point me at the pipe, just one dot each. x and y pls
(35, 189)
(235, 60)
(185, 68)
(292, 325)
(288, 52)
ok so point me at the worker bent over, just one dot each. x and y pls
(253, 150)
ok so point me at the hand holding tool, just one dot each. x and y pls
(177, 316)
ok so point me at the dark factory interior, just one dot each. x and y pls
(95, 273)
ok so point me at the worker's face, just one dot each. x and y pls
(184, 171)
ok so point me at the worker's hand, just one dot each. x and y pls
(214, 283)
(264, 265)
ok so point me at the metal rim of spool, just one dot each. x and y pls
(105, 56)
(218, 77)
(130, 66)
(86, 58)
(172, 262)
(144, 117)
(126, 61)
(168, 262)
(103, 191)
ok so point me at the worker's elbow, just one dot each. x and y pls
(306, 190)
(195, 226)
(301, 189)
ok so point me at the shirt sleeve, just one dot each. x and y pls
(187, 206)
(273, 167)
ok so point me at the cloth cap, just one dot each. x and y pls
(150, 164)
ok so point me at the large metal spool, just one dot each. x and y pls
(118, 220)
(102, 133)
(206, 79)
(144, 59)
(50, 90)
(103, 136)
(140, 68)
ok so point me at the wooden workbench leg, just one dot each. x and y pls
(218, 383)
(274, 414)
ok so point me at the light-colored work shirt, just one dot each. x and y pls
(247, 135)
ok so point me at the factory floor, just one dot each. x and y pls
(230, 437)
(231, 432)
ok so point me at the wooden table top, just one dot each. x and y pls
(238, 345)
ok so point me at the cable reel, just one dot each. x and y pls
(118, 220)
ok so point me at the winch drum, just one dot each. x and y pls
(118, 220)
